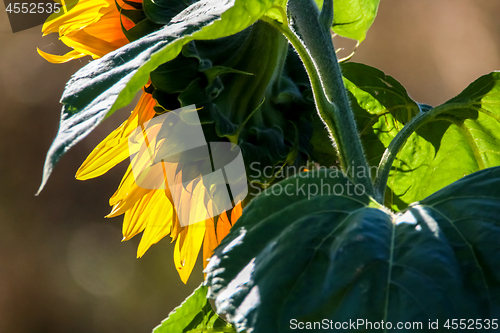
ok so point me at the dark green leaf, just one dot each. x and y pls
(298, 256)
(162, 11)
(457, 138)
(107, 84)
(194, 315)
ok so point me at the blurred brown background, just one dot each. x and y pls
(62, 265)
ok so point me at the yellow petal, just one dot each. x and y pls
(115, 148)
(210, 242)
(109, 28)
(218, 228)
(186, 249)
(223, 226)
(91, 27)
(84, 13)
(127, 195)
(176, 231)
(108, 153)
(129, 192)
(176, 227)
(57, 59)
(236, 212)
(159, 216)
(135, 219)
(88, 44)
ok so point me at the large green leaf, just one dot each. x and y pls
(455, 139)
(381, 107)
(194, 315)
(107, 84)
(333, 258)
(353, 18)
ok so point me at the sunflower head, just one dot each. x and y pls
(252, 92)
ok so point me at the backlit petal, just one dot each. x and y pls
(84, 13)
(223, 226)
(135, 219)
(186, 249)
(210, 242)
(115, 148)
(236, 212)
(91, 27)
(159, 215)
(58, 59)
(127, 195)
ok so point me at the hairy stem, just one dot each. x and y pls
(314, 45)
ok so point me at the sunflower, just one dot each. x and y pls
(95, 28)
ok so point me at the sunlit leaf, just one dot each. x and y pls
(353, 18)
(194, 315)
(458, 138)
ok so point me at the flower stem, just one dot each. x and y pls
(313, 43)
